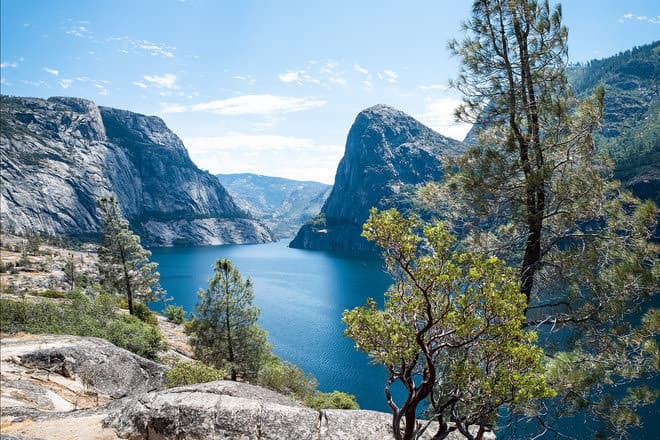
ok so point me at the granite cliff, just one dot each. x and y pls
(388, 155)
(61, 154)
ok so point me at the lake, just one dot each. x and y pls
(302, 295)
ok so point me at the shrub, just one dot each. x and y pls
(188, 373)
(142, 311)
(332, 400)
(175, 314)
(286, 378)
(50, 293)
(82, 317)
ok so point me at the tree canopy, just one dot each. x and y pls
(450, 331)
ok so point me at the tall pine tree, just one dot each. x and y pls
(533, 191)
(123, 263)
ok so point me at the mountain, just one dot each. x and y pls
(61, 154)
(630, 132)
(283, 204)
(388, 155)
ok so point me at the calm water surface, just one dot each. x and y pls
(302, 295)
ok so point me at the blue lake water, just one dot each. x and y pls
(302, 295)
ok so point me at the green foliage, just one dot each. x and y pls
(189, 373)
(175, 314)
(286, 378)
(534, 192)
(82, 316)
(144, 314)
(450, 330)
(332, 400)
(123, 263)
(225, 333)
(50, 293)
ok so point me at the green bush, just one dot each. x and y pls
(82, 316)
(286, 378)
(188, 373)
(143, 312)
(332, 400)
(176, 314)
(50, 293)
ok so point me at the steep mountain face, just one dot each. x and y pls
(388, 154)
(60, 155)
(630, 131)
(283, 204)
(631, 124)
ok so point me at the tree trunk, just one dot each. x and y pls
(230, 347)
(129, 290)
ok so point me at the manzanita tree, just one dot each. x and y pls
(450, 331)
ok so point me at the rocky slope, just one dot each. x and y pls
(283, 204)
(73, 388)
(60, 155)
(388, 154)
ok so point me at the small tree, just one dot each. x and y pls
(123, 263)
(70, 271)
(450, 331)
(225, 333)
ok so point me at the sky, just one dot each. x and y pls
(269, 87)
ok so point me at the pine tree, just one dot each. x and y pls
(225, 332)
(534, 192)
(123, 263)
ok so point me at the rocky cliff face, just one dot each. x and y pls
(388, 155)
(60, 155)
(283, 204)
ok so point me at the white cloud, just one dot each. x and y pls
(167, 81)
(258, 105)
(155, 49)
(132, 45)
(645, 18)
(140, 84)
(263, 154)
(290, 76)
(173, 108)
(360, 69)
(78, 31)
(429, 87)
(439, 115)
(246, 78)
(101, 89)
(66, 83)
(8, 64)
(389, 75)
(54, 72)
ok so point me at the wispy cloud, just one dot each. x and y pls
(239, 152)
(65, 83)
(102, 90)
(53, 72)
(257, 105)
(7, 64)
(430, 87)
(136, 46)
(645, 18)
(78, 30)
(167, 81)
(140, 84)
(360, 69)
(439, 115)
(249, 79)
(388, 75)
(326, 73)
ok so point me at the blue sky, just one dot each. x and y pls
(269, 87)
